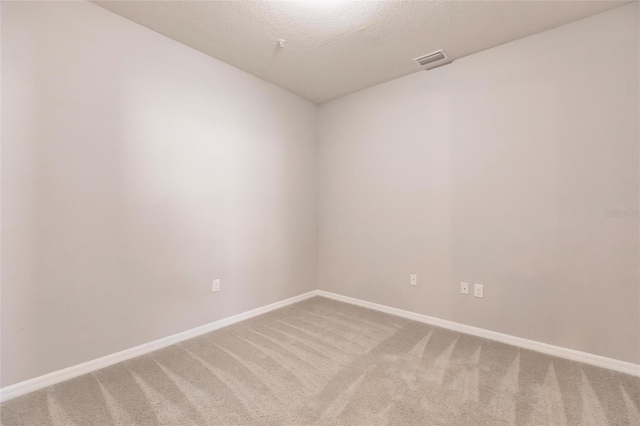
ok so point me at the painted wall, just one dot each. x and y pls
(134, 171)
(498, 169)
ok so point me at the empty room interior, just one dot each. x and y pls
(320, 213)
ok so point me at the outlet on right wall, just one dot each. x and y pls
(515, 168)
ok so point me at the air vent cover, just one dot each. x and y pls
(432, 58)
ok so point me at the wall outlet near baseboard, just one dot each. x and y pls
(413, 279)
(478, 290)
(464, 288)
(216, 286)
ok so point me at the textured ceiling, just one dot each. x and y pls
(337, 47)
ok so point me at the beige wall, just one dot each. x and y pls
(496, 169)
(134, 171)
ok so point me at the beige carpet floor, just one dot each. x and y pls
(321, 362)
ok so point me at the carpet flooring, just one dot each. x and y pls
(322, 362)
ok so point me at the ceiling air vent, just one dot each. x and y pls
(439, 56)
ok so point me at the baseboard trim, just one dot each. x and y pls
(545, 348)
(37, 383)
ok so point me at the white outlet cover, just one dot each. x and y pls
(478, 290)
(413, 279)
(216, 286)
(464, 288)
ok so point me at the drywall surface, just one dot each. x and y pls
(335, 47)
(135, 170)
(515, 168)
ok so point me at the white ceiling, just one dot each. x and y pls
(336, 47)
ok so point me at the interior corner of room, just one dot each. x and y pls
(166, 191)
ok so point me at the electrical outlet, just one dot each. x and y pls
(464, 288)
(216, 286)
(413, 279)
(478, 290)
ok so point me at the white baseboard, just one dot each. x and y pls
(55, 377)
(587, 358)
(59, 376)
